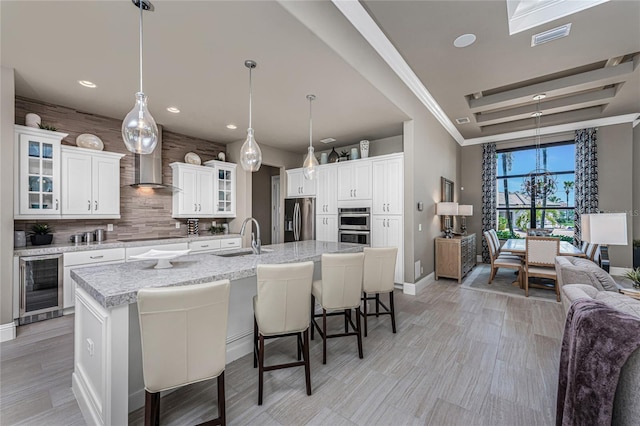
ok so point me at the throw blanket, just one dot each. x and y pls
(597, 341)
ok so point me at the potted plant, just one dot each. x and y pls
(41, 234)
(636, 253)
(634, 275)
(344, 155)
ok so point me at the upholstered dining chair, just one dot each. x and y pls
(540, 261)
(338, 293)
(281, 308)
(378, 278)
(184, 340)
(496, 244)
(499, 261)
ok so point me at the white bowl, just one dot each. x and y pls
(192, 158)
(89, 141)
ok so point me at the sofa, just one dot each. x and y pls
(577, 270)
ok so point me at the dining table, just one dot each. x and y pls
(518, 246)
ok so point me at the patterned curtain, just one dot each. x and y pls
(586, 181)
(489, 194)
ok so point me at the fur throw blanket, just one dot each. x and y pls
(597, 341)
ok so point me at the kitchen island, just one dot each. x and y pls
(107, 378)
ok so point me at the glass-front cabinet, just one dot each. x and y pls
(38, 174)
(224, 188)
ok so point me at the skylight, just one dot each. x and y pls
(526, 14)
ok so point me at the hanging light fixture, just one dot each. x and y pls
(310, 164)
(250, 154)
(539, 183)
(139, 129)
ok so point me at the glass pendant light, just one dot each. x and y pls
(310, 165)
(139, 129)
(250, 154)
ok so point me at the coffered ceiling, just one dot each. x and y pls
(194, 54)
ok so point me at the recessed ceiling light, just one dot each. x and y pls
(231, 126)
(87, 83)
(464, 40)
(327, 140)
(463, 120)
(536, 114)
(539, 96)
(173, 110)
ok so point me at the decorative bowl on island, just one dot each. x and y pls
(162, 256)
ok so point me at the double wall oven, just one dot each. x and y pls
(354, 225)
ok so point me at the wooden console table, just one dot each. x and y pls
(455, 257)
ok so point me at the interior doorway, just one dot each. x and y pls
(276, 217)
(261, 201)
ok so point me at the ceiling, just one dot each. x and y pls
(195, 50)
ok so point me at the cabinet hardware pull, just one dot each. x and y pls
(199, 207)
(88, 205)
(56, 204)
(205, 246)
(22, 287)
(96, 205)
(355, 193)
(351, 193)
(96, 257)
(195, 207)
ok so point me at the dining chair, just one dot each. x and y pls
(501, 261)
(338, 293)
(590, 251)
(379, 278)
(540, 261)
(498, 249)
(183, 331)
(281, 308)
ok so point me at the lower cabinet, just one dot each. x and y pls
(84, 258)
(455, 257)
(215, 245)
(388, 231)
(327, 228)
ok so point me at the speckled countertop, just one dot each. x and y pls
(115, 285)
(71, 247)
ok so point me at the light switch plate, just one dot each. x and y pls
(177, 225)
(109, 226)
(419, 227)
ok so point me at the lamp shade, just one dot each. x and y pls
(604, 228)
(465, 210)
(447, 209)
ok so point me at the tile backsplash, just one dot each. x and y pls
(144, 212)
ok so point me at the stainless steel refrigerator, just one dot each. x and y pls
(299, 219)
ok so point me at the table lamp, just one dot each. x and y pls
(447, 210)
(464, 210)
(604, 229)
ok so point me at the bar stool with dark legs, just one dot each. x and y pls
(184, 340)
(379, 278)
(339, 291)
(281, 308)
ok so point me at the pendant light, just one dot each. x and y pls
(539, 183)
(250, 154)
(139, 129)
(310, 165)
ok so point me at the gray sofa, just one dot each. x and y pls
(576, 270)
(626, 409)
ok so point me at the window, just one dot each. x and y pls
(552, 210)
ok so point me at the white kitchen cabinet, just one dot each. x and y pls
(387, 231)
(224, 188)
(37, 175)
(195, 197)
(327, 194)
(298, 185)
(90, 184)
(354, 180)
(327, 227)
(84, 258)
(215, 245)
(388, 177)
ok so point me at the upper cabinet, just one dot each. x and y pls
(388, 176)
(90, 183)
(224, 188)
(298, 185)
(354, 180)
(37, 155)
(194, 199)
(327, 196)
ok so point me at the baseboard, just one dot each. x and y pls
(7, 331)
(80, 391)
(413, 289)
(616, 270)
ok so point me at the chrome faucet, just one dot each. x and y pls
(255, 244)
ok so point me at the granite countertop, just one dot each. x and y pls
(108, 244)
(115, 285)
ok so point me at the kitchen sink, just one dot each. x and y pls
(241, 253)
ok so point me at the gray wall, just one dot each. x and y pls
(7, 112)
(636, 182)
(618, 186)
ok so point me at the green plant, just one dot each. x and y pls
(344, 153)
(636, 243)
(634, 275)
(47, 127)
(505, 235)
(41, 229)
(219, 229)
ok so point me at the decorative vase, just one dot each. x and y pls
(333, 156)
(32, 120)
(324, 158)
(354, 154)
(364, 148)
(41, 240)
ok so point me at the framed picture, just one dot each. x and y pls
(446, 194)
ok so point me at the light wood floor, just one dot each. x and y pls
(460, 357)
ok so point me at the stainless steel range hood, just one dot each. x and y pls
(148, 168)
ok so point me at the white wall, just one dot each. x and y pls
(7, 112)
